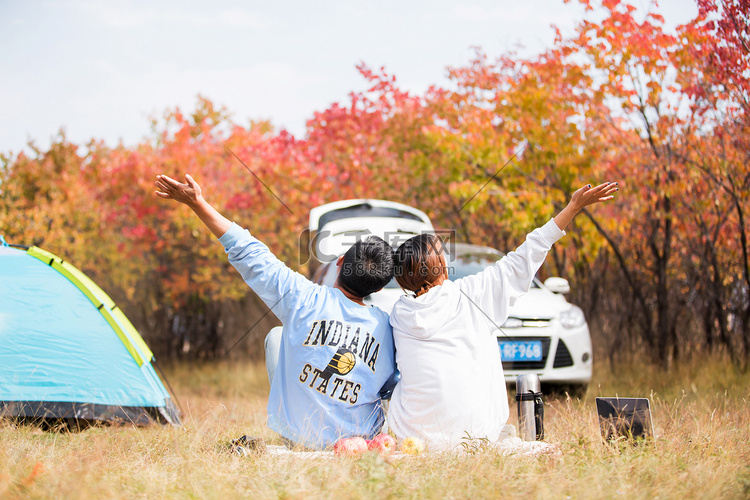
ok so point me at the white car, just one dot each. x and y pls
(334, 227)
(544, 333)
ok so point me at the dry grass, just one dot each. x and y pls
(701, 413)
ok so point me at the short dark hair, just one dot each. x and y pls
(419, 263)
(367, 266)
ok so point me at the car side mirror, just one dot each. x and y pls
(557, 285)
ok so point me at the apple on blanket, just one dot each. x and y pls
(355, 446)
(350, 446)
(382, 443)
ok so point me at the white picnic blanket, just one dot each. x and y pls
(508, 444)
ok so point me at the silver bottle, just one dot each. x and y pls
(530, 407)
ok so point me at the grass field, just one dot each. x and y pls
(701, 419)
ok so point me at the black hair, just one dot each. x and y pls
(419, 263)
(367, 266)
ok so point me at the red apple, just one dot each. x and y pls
(342, 446)
(350, 446)
(359, 444)
(382, 443)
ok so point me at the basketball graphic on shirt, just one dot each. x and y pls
(343, 361)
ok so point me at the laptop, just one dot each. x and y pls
(625, 417)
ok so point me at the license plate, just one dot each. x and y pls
(520, 350)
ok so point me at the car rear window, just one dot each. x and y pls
(365, 210)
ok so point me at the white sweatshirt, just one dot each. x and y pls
(452, 382)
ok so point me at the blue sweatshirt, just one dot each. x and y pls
(335, 355)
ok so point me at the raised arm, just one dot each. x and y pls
(495, 288)
(189, 193)
(282, 289)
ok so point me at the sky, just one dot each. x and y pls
(102, 69)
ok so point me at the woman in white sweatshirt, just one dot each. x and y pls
(452, 383)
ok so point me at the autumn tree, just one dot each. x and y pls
(720, 94)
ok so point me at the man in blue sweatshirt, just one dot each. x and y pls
(336, 354)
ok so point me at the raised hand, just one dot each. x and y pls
(188, 192)
(584, 197)
(588, 195)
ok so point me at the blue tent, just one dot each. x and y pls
(67, 352)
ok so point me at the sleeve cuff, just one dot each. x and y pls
(233, 234)
(552, 233)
